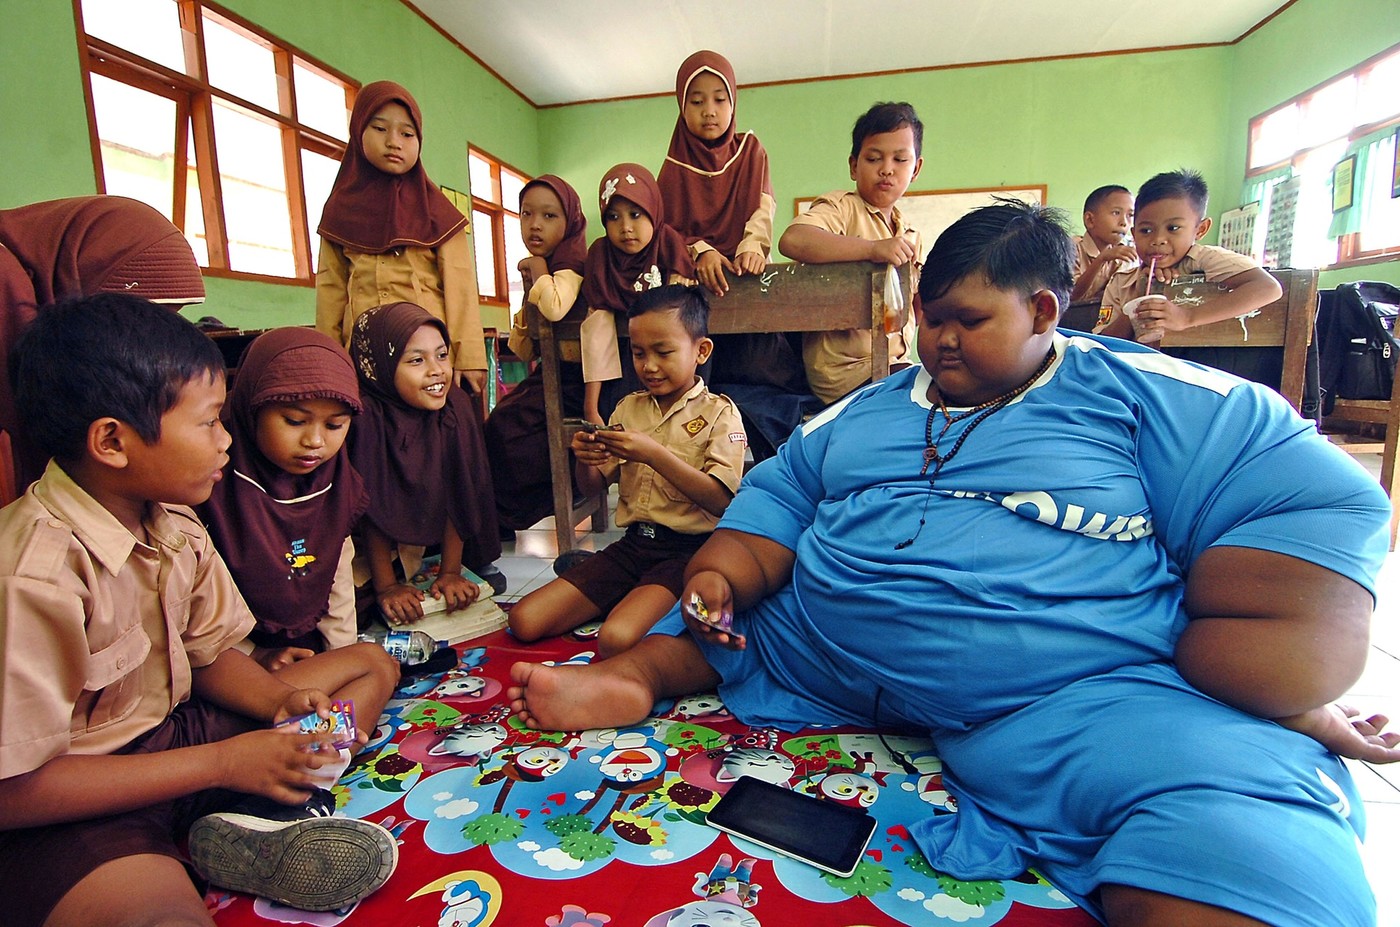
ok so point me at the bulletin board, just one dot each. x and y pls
(932, 211)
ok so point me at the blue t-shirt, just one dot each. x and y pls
(1054, 542)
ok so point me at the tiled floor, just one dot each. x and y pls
(527, 565)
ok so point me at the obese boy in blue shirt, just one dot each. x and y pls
(1111, 634)
(127, 717)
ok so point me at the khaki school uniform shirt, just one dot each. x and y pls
(442, 280)
(702, 429)
(98, 630)
(1215, 263)
(1085, 250)
(837, 362)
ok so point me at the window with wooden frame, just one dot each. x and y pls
(495, 190)
(233, 134)
(1352, 117)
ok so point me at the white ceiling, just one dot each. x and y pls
(566, 51)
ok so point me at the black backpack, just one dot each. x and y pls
(1356, 341)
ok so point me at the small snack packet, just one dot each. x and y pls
(340, 724)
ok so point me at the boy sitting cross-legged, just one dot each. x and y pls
(1120, 591)
(127, 717)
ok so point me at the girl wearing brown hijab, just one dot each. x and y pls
(388, 234)
(553, 227)
(79, 247)
(416, 449)
(637, 252)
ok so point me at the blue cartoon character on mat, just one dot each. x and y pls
(470, 898)
(727, 893)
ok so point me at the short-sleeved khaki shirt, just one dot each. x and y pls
(99, 630)
(701, 428)
(1216, 263)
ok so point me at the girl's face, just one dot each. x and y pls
(390, 140)
(300, 436)
(421, 378)
(628, 226)
(708, 110)
(542, 221)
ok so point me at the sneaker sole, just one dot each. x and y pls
(315, 864)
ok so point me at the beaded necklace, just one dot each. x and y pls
(979, 414)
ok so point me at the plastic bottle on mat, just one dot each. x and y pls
(408, 647)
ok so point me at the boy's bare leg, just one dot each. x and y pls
(632, 618)
(609, 693)
(555, 608)
(133, 890)
(363, 673)
(1125, 906)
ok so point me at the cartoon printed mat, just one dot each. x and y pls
(506, 826)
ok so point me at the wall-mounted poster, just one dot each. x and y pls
(1283, 215)
(1343, 180)
(1239, 231)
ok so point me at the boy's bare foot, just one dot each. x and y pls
(577, 698)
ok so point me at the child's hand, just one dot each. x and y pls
(709, 268)
(749, 262)
(273, 764)
(455, 590)
(588, 449)
(303, 702)
(717, 597)
(1158, 316)
(473, 381)
(1341, 729)
(630, 445)
(273, 659)
(401, 603)
(893, 251)
(1119, 252)
(531, 269)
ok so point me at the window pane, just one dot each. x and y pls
(479, 170)
(1378, 97)
(317, 175)
(1328, 113)
(150, 28)
(254, 184)
(320, 102)
(515, 253)
(1382, 223)
(1311, 246)
(240, 65)
(1275, 137)
(485, 254)
(194, 210)
(137, 134)
(511, 185)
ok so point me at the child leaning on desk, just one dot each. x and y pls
(861, 225)
(128, 718)
(1106, 246)
(1168, 222)
(1126, 650)
(677, 452)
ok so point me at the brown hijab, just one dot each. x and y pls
(712, 188)
(612, 279)
(373, 212)
(572, 250)
(417, 463)
(281, 534)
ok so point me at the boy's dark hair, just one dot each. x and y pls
(1015, 246)
(1184, 183)
(1095, 200)
(106, 355)
(887, 117)
(691, 305)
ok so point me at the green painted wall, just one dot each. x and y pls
(999, 125)
(1303, 46)
(369, 40)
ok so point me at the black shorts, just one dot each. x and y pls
(635, 560)
(39, 865)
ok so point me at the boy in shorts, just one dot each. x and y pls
(677, 452)
(1022, 549)
(861, 225)
(127, 716)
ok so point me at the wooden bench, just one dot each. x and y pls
(784, 298)
(1287, 323)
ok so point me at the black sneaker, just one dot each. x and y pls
(493, 575)
(570, 559)
(312, 862)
